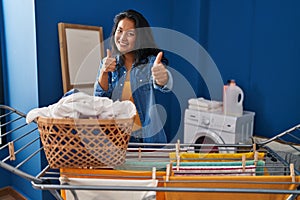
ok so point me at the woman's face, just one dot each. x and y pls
(125, 35)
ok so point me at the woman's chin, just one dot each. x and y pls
(124, 51)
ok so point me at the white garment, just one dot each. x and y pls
(110, 194)
(81, 105)
(201, 102)
(200, 108)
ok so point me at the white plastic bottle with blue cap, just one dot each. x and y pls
(233, 98)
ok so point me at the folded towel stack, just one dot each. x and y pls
(204, 104)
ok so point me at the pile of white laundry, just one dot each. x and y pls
(81, 105)
(205, 104)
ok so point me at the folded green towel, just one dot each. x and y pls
(161, 166)
(142, 166)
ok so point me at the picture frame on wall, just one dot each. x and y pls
(81, 49)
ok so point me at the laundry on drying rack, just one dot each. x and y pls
(216, 171)
(229, 183)
(213, 157)
(106, 194)
(142, 166)
(126, 175)
(204, 104)
(236, 168)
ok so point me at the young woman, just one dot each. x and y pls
(132, 70)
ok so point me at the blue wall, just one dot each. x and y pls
(241, 37)
(20, 75)
(5, 177)
(91, 12)
(255, 42)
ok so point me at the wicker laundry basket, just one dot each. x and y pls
(85, 143)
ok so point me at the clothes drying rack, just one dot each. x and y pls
(21, 145)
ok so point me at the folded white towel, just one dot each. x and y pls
(201, 102)
(200, 108)
(112, 195)
(81, 105)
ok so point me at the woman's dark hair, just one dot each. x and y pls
(145, 44)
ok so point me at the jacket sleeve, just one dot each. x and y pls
(98, 90)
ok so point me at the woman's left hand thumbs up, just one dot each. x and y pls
(159, 72)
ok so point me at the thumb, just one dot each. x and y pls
(108, 53)
(158, 58)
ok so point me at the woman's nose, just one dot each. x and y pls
(123, 36)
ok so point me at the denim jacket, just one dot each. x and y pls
(142, 87)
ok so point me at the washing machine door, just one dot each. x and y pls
(207, 140)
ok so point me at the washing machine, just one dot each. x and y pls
(203, 127)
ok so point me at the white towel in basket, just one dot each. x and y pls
(81, 105)
(110, 194)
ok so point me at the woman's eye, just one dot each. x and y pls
(130, 34)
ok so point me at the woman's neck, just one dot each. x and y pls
(128, 60)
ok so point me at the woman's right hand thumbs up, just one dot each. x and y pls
(109, 63)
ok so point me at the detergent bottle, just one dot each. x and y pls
(233, 97)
